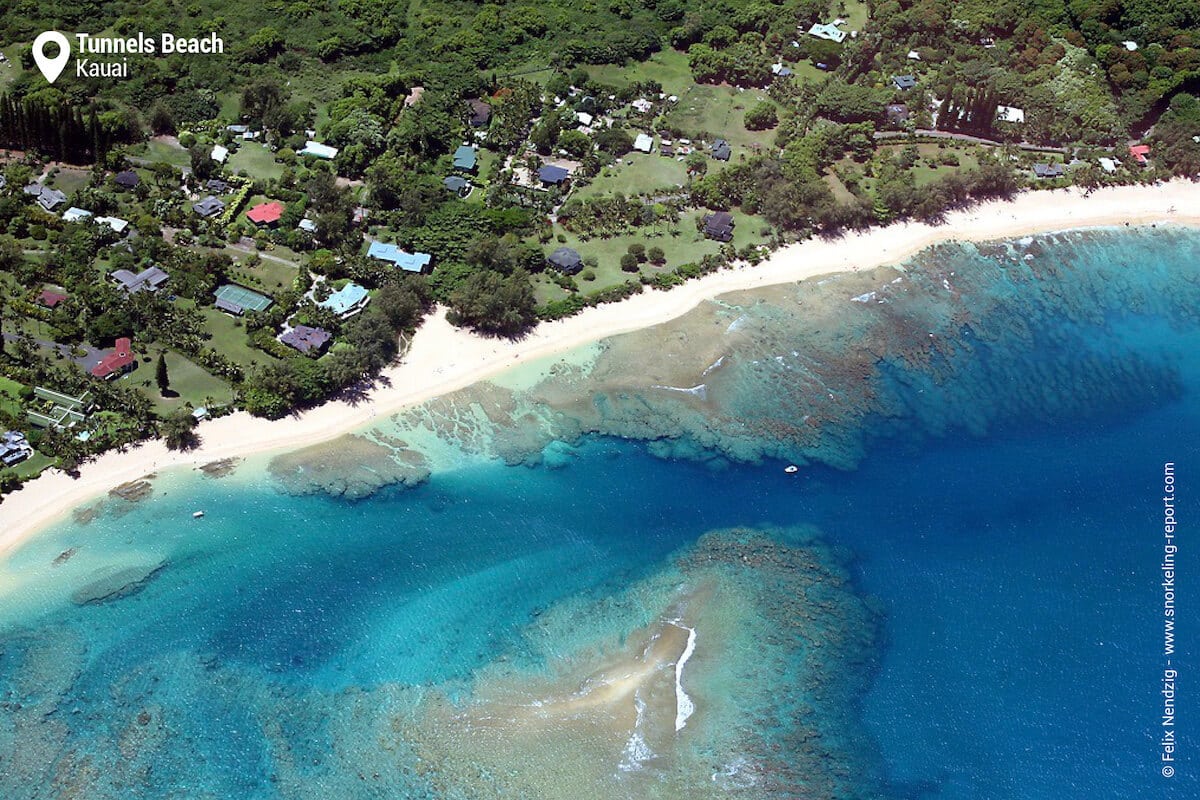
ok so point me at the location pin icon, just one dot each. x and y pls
(51, 67)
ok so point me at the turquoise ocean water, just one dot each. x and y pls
(1006, 531)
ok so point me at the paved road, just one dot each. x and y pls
(250, 251)
(90, 358)
(964, 137)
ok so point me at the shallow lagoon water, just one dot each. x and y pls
(1007, 546)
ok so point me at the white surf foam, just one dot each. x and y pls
(684, 707)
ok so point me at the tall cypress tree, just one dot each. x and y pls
(160, 375)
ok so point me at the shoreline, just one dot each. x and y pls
(443, 359)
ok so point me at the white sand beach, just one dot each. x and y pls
(443, 359)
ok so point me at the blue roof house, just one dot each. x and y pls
(552, 175)
(464, 158)
(409, 262)
(347, 301)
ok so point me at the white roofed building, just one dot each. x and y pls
(318, 150)
(1010, 114)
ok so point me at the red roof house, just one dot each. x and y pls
(266, 214)
(50, 299)
(1140, 153)
(116, 363)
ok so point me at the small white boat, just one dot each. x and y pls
(198, 515)
(791, 469)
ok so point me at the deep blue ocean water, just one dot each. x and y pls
(1017, 573)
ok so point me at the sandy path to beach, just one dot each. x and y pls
(443, 359)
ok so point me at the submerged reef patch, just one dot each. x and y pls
(733, 673)
(961, 340)
(350, 466)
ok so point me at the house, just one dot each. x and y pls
(828, 31)
(347, 301)
(318, 150)
(1053, 170)
(14, 448)
(308, 225)
(642, 105)
(566, 260)
(51, 199)
(360, 215)
(118, 225)
(481, 112)
(584, 118)
(148, 280)
(1010, 114)
(48, 199)
(74, 214)
(409, 262)
(780, 71)
(209, 207)
(913, 55)
(719, 225)
(65, 411)
(50, 298)
(551, 175)
(904, 82)
(721, 150)
(1108, 164)
(306, 339)
(457, 184)
(219, 154)
(266, 214)
(1140, 153)
(665, 148)
(217, 186)
(128, 179)
(465, 158)
(643, 143)
(116, 363)
(898, 113)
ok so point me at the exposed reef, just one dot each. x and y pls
(350, 466)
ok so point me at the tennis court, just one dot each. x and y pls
(242, 297)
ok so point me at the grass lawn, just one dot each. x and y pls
(11, 68)
(840, 192)
(69, 180)
(192, 383)
(855, 13)
(681, 242)
(229, 339)
(668, 67)
(230, 106)
(157, 150)
(9, 394)
(255, 160)
(31, 467)
(807, 70)
(712, 112)
(927, 170)
(271, 275)
(647, 173)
